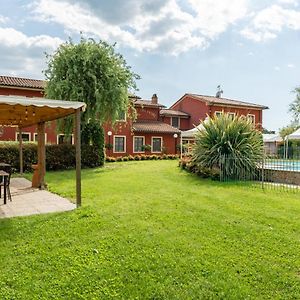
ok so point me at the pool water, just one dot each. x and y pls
(284, 165)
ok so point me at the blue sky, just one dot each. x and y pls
(250, 47)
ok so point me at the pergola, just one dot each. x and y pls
(23, 112)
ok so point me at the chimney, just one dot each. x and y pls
(154, 99)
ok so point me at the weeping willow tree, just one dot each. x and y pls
(232, 144)
(94, 73)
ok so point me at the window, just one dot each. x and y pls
(25, 136)
(175, 122)
(35, 137)
(251, 118)
(156, 144)
(62, 139)
(231, 115)
(218, 113)
(119, 144)
(122, 116)
(138, 143)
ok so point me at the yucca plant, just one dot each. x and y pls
(231, 144)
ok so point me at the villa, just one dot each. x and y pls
(156, 129)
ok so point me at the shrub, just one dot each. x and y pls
(165, 156)
(58, 157)
(125, 158)
(119, 158)
(143, 157)
(137, 157)
(186, 163)
(130, 157)
(223, 137)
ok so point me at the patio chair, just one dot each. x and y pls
(7, 186)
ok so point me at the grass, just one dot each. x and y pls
(148, 230)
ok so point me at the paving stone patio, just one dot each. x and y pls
(29, 201)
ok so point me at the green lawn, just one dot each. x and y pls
(148, 230)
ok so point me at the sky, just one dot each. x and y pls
(249, 47)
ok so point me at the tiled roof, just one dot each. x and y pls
(22, 82)
(147, 103)
(225, 101)
(172, 112)
(154, 127)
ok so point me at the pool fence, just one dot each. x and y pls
(267, 173)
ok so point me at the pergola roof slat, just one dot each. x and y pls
(24, 111)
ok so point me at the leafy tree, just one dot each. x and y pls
(92, 72)
(233, 143)
(284, 131)
(266, 131)
(295, 106)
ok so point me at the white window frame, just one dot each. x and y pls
(252, 115)
(35, 137)
(125, 119)
(114, 143)
(218, 112)
(171, 123)
(161, 144)
(61, 134)
(138, 136)
(24, 132)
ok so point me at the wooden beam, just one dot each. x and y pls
(78, 157)
(41, 155)
(20, 151)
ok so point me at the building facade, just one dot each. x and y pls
(197, 107)
(147, 134)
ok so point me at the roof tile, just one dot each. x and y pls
(225, 101)
(147, 103)
(172, 112)
(154, 127)
(22, 82)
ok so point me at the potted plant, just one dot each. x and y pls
(146, 148)
(108, 146)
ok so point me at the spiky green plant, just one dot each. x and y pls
(232, 144)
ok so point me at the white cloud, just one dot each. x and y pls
(289, 2)
(3, 19)
(23, 52)
(269, 22)
(291, 66)
(214, 17)
(146, 25)
(277, 68)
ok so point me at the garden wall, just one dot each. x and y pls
(280, 176)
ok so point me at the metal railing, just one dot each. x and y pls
(273, 172)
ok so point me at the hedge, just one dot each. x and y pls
(58, 157)
(141, 157)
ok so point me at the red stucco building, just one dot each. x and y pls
(156, 130)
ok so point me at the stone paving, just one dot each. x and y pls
(29, 201)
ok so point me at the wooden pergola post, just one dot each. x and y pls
(41, 154)
(78, 157)
(20, 150)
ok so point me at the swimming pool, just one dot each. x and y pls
(282, 165)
